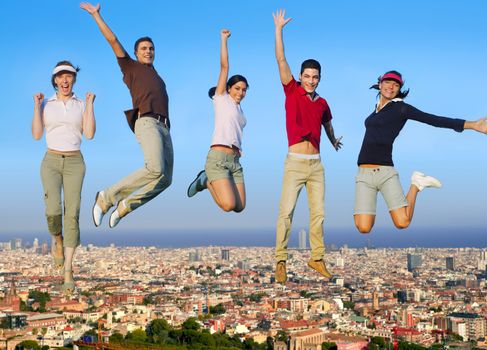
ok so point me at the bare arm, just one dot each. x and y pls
(105, 30)
(221, 86)
(478, 125)
(284, 70)
(89, 124)
(37, 123)
(336, 142)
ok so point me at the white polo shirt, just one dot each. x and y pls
(229, 121)
(64, 123)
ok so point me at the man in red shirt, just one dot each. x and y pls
(306, 112)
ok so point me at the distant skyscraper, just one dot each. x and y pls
(302, 239)
(340, 262)
(375, 300)
(243, 265)
(225, 254)
(35, 245)
(44, 248)
(414, 261)
(482, 260)
(192, 257)
(450, 263)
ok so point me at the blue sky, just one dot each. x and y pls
(439, 46)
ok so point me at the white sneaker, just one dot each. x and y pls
(99, 209)
(421, 181)
(199, 184)
(118, 214)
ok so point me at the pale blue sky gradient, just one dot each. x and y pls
(439, 46)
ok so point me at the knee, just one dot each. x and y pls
(227, 206)
(239, 209)
(363, 228)
(402, 223)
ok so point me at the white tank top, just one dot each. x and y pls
(64, 123)
(229, 122)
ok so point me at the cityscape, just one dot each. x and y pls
(226, 297)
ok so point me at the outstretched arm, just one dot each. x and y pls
(221, 86)
(478, 125)
(336, 142)
(37, 123)
(284, 70)
(89, 125)
(105, 30)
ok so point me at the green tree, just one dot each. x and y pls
(116, 337)
(158, 330)
(28, 344)
(328, 346)
(137, 335)
(191, 323)
(379, 341)
(348, 305)
(218, 309)
(281, 336)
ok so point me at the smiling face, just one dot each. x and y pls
(64, 82)
(145, 52)
(310, 78)
(238, 91)
(389, 89)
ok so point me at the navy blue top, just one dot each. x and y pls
(382, 128)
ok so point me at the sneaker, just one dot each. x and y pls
(118, 214)
(100, 208)
(198, 184)
(421, 181)
(281, 274)
(320, 267)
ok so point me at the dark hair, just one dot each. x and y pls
(311, 63)
(63, 63)
(232, 81)
(401, 93)
(139, 40)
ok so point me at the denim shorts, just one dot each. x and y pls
(220, 165)
(383, 179)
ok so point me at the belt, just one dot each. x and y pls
(160, 118)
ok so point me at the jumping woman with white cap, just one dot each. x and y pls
(65, 118)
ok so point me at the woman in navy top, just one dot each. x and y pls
(376, 171)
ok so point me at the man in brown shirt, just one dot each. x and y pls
(149, 119)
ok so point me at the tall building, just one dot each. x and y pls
(302, 239)
(225, 254)
(482, 263)
(375, 300)
(35, 244)
(450, 263)
(340, 262)
(44, 248)
(414, 261)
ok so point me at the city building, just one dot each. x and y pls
(414, 261)
(302, 239)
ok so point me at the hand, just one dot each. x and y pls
(480, 125)
(90, 8)
(338, 143)
(38, 98)
(90, 97)
(225, 33)
(279, 20)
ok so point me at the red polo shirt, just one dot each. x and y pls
(304, 117)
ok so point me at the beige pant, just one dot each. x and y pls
(63, 174)
(146, 183)
(299, 173)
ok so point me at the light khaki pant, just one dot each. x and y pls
(146, 183)
(63, 174)
(299, 173)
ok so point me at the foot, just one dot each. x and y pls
(320, 267)
(118, 214)
(100, 208)
(281, 274)
(68, 285)
(57, 253)
(198, 184)
(421, 181)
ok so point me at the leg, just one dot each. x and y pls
(315, 187)
(365, 199)
(402, 217)
(52, 182)
(241, 198)
(156, 175)
(68, 285)
(223, 192)
(74, 172)
(292, 183)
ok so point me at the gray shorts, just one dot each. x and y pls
(383, 179)
(220, 165)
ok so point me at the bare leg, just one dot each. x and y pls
(224, 193)
(68, 264)
(240, 198)
(364, 222)
(57, 250)
(402, 217)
